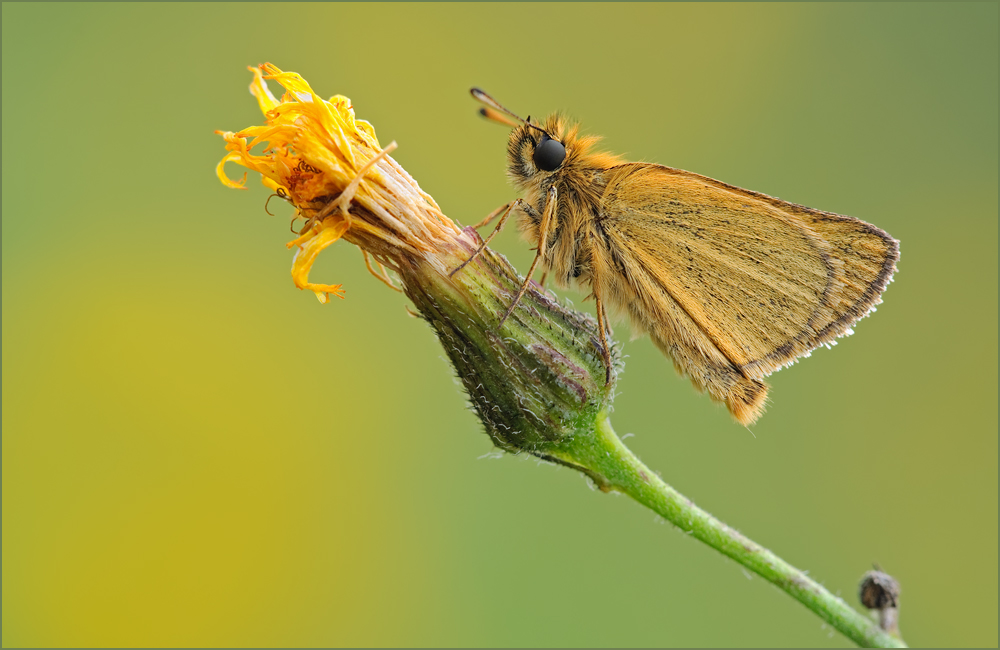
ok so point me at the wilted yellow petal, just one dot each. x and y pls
(332, 229)
(315, 152)
(260, 90)
(274, 187)
(221, 172)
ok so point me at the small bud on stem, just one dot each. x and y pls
(880, 591)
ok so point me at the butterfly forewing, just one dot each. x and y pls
(762, 284)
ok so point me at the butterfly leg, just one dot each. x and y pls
(602, 324)
(509, 207)
(493, 215)
(543, 232)
(596, 272)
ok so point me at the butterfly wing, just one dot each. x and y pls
(733, 284)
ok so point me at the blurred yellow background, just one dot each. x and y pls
(196, 453)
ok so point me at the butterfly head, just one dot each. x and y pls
(543, 153)
(536, 152)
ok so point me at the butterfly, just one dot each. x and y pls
(731, 284)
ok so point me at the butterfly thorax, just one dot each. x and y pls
(579, 182)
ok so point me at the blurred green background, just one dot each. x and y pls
(196, 453)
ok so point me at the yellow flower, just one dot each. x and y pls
(330, 166)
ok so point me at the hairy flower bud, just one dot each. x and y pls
(534, 382)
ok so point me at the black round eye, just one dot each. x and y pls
(549, 154)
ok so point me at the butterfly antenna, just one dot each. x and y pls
(535, 126)
(484, 98)
(497, 116)
(495, 111)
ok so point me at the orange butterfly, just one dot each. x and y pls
(730, 284)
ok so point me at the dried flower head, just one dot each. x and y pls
(535, 380)
(330, 166)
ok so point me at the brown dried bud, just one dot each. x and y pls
(880, 591)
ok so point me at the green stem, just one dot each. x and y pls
(605, 458)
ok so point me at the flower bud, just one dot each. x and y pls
(534, 382)
(880, 591)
